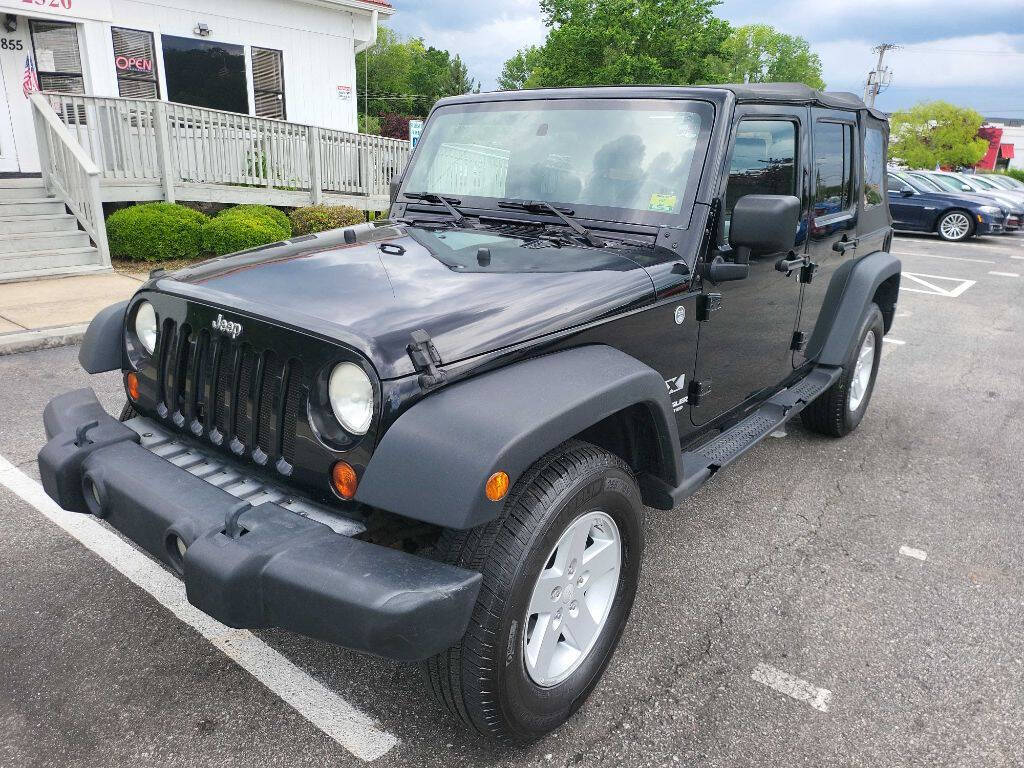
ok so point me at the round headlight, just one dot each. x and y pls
(351, 395)
(145, 326)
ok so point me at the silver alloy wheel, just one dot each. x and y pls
(955, 226)
(862, 371)
(572, 598)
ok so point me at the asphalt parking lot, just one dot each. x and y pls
(875, 580)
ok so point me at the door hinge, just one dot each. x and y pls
(799, 341)
(425, 359)
(807, 272)
(706, 304)
(698, 390)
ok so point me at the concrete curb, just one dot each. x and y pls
(47, 338)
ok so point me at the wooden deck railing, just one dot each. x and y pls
(156, 142)
(69, 172)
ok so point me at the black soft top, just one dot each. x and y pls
(798, 93)
(768, 93)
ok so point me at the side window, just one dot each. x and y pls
(874, 166)
(134, 58)
(763, 161)
(897, 185)
(833, 153)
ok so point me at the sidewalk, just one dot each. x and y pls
(38, 314)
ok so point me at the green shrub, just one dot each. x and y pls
(276, 215)
(320, 218)
(237, 232)
(155, 231)
(1016, 173)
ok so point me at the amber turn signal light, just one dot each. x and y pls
(344, 480)
(132, 385)
(497, 486)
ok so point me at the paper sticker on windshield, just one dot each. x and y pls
(663, 203)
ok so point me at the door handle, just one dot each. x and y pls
(842, 246)
(788, 265)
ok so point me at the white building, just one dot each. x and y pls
(285, 59)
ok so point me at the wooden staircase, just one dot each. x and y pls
(38, 237)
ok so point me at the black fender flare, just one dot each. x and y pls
(852, 288)
(103, 343)
(432, 464)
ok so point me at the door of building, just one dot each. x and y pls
(8, 150)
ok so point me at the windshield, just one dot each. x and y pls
(949, 183)
(923, 184)
(635, 160)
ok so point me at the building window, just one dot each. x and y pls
(205, 74)
(874, 166)
(58, 60)
(268, 82)
(135, 63)
(833, 153)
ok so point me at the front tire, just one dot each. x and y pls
(561, 566)
(955, 226)
(839, 410)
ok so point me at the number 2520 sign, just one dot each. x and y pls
(65, 4)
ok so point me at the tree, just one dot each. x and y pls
(758, 53)
(406, 77)
(517, 70)
(935, 133)
(614, 42)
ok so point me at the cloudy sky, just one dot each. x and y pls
(968, 53)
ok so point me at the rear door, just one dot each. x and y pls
(834, 180)
(744, 346)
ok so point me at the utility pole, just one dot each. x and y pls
(880, 77)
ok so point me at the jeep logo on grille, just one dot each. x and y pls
(227, 327)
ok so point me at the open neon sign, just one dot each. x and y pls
(133, 64)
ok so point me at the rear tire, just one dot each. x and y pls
(955, 226)
(839, 409)
(494, 679)
(128, 412)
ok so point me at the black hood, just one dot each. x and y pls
(372, 294)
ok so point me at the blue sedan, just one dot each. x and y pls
(953, 216)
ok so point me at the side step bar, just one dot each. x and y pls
(701, 464)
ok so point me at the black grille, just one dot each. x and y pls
(242, 398)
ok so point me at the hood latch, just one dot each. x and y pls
(425, 359)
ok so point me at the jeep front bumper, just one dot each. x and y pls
(251, 566)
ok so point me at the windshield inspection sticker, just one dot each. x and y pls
(663, 203)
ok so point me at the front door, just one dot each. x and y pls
(744, 347)
(11, 48)
(833, 226)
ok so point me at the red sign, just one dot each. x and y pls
(133, 64)
(64, 4)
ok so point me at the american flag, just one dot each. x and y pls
(30, 81)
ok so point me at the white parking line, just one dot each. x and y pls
(794, 687)
(917, 554)
(897, 342)
(1005, 274)
(1017, 257)
(936, 256)
(341, 721)
(929, 287)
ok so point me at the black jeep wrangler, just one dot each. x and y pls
(432, 438)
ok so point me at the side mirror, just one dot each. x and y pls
(763, 224)
(906, 193)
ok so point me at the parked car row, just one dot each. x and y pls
(955, 206)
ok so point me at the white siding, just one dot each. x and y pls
(317, 44)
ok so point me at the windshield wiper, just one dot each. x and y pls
(448, 202)
(540, 206)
